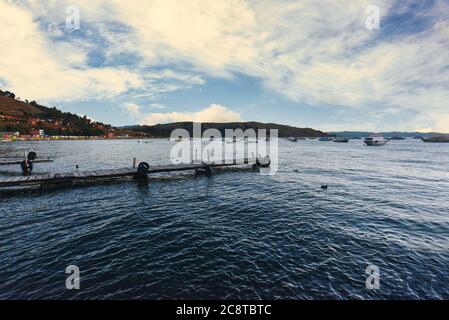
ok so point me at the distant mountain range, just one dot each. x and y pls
(352, 134)
(164, 130)
(22, 116)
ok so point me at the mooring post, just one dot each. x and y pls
(26, 166)
(134, 162)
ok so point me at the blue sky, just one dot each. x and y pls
(303, 63)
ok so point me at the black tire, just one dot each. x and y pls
(31, 156)
(143, 168)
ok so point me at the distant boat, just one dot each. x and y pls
(396, 138)
(356, 138)
(375, 141)
(439, 139)
(293, 139)
(234, 140)
(341, 140)
(418, 137)
(248, 140)
(325, 139)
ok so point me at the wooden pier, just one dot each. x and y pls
(140, 172)
(13, 162)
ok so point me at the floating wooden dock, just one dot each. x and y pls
(137, 173)
(10, 163)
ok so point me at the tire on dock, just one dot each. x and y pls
(142, 171)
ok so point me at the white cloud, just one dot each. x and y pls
(318, 52)
(132, 109)
(32, 66)
(212, 113)
(156, 106)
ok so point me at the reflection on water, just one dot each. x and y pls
(236, 234)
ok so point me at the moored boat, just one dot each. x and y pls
(341, 140)
(396, 138)
(437, 139)
(325, 139)
(375, 141)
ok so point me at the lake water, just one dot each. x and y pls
(235, 234)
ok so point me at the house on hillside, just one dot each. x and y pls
(9, 135)
(33, 121)
(37, 133)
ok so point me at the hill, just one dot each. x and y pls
(164, 130)
(351, 134)
(24, 117)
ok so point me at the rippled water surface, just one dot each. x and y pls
(235, 234)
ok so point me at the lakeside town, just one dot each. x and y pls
(27, 120)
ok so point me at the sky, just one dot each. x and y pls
(325, 64)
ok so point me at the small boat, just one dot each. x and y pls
(375, 141)
(325, 139)
(341, 140)
(396, 138)
(294, 139)
(437, 139)
(250, 140)
(234, 140)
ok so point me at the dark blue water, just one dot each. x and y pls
(236, 234)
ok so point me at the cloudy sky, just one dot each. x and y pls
(306, 63)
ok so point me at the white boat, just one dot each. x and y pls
(341, 140)
(375, 141)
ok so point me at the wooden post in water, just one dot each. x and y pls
(134, 162)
